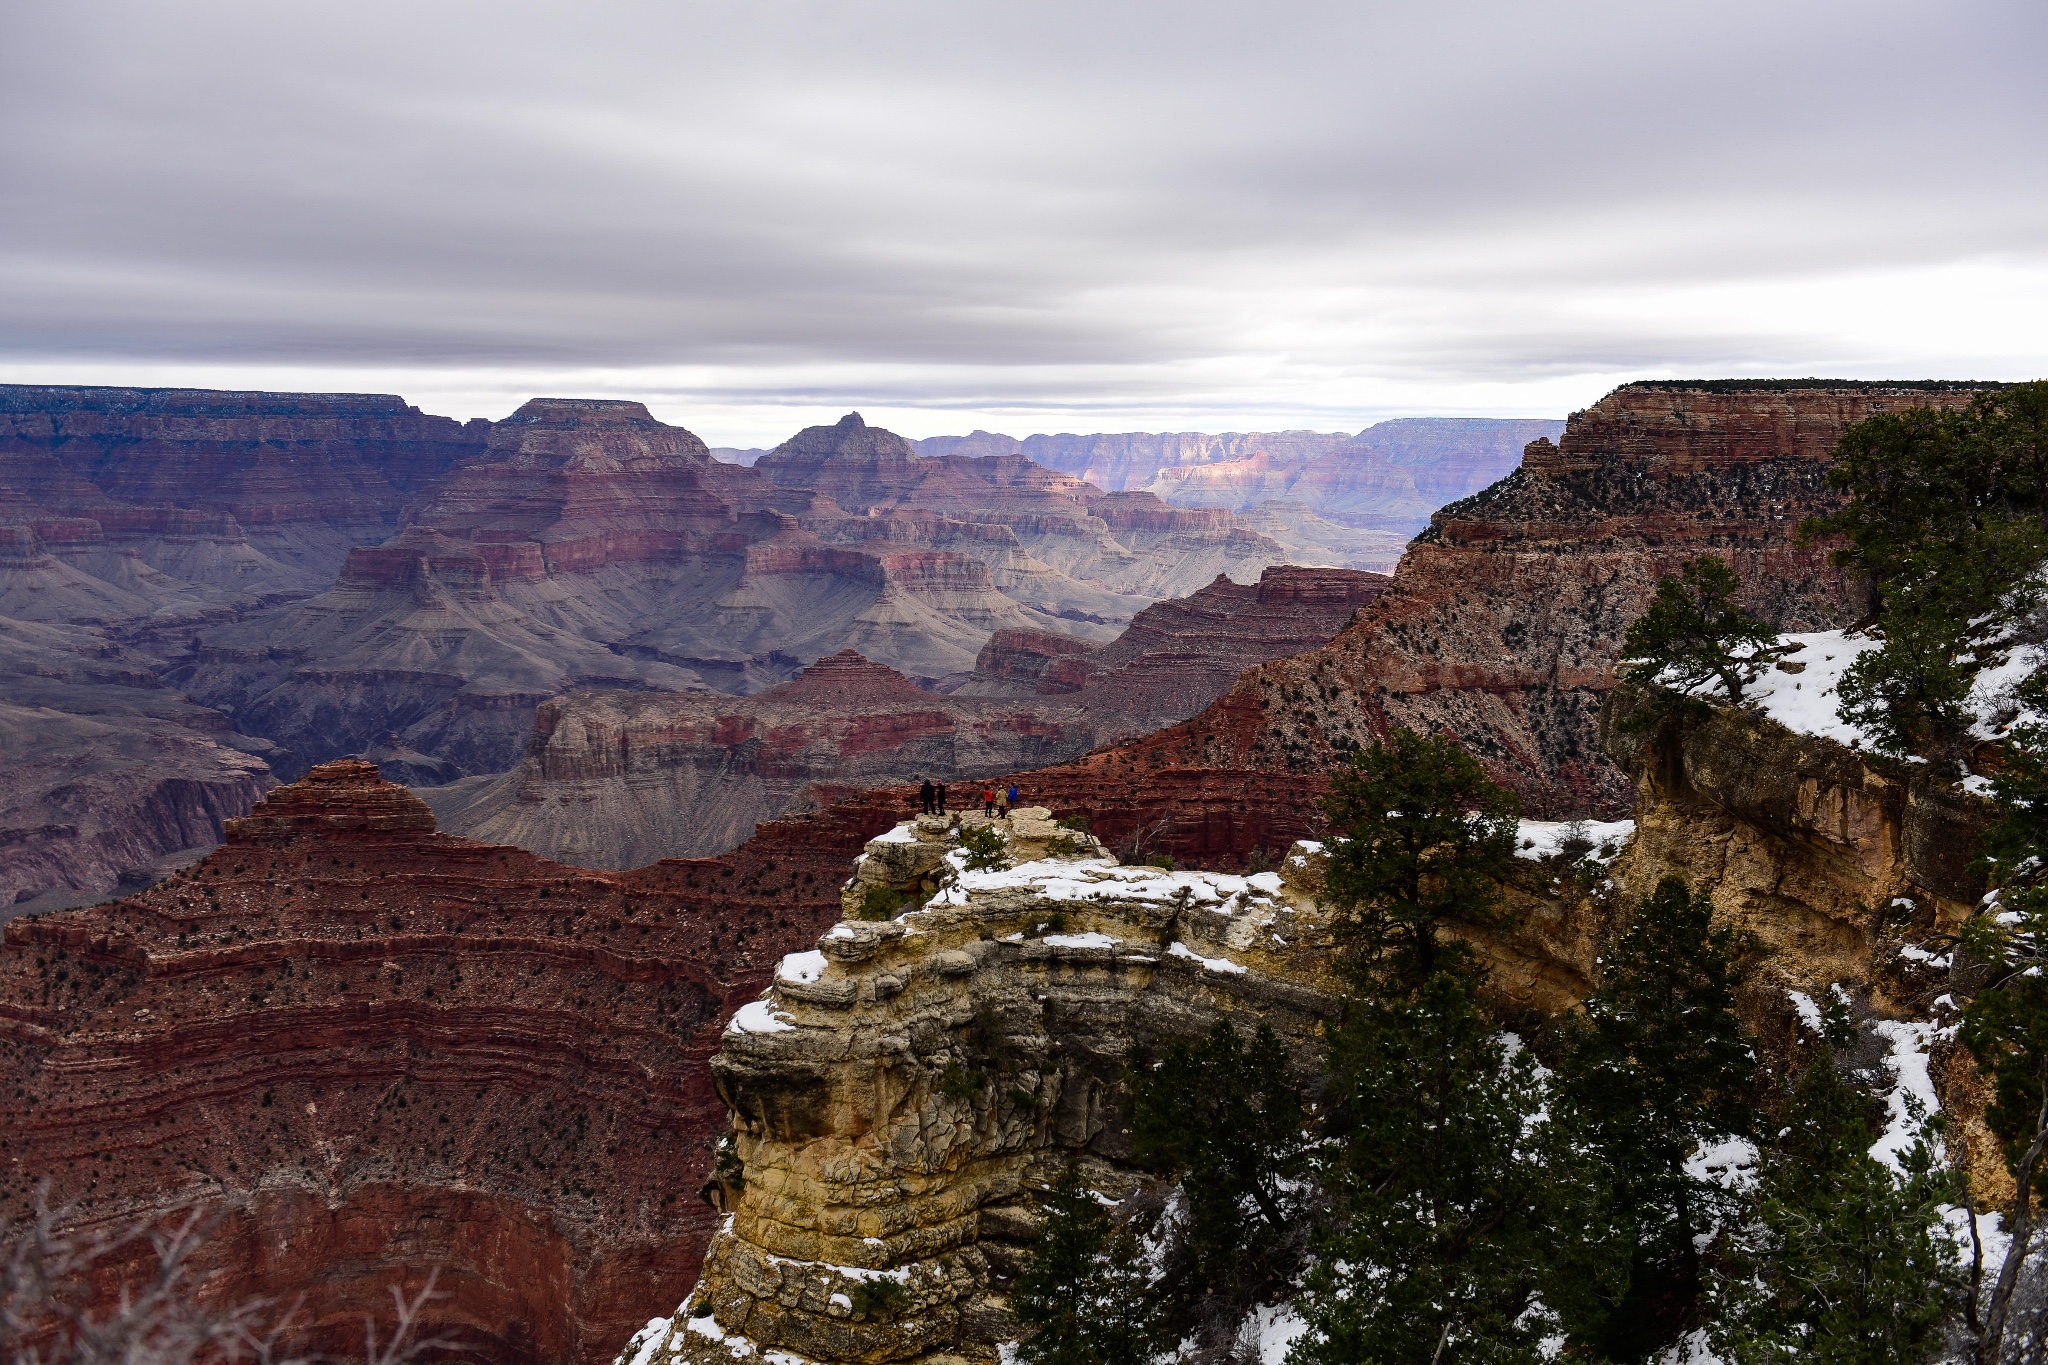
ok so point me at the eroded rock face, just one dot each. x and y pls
(903, 1090)
(373, 1050)
(185, 503)
(1505, 618)
(616, 779)
(1831, 857)
(620, 779)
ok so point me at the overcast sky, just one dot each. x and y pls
(1025, 216)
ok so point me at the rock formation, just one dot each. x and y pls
(109, 773)
(617, 779)
(122, 504)
(903, 1091)
(592, 546)
(1505, 618)
(905, 1088)
(373, 1049)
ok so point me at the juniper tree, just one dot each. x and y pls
(2005, 1025)
(1655, 1066)
(1227, 1117)
(1694, 632)
(1424, 834)
(1947, 521)
(1845, 1261)
(1448, 1194)
(1083, 1298)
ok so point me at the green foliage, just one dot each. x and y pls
(1083, 1298)
(1448, 1193)
(1694, 632)
(1077, 823)
(1947, 519)
(1163, 861)
(1227, 1118)
(986, 849)
(1425, 835)
(958, 1083)
(878, 1298)
(2005, 1026)
(1064, 846)
(1655, 1066)
(882, 902)
(1845, 1263)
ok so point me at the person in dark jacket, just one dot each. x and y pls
(942, 798)
(925, 796)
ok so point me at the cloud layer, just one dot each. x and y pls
(1102, 215)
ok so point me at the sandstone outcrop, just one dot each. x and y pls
(905, 1088)
(1505, 618)
(373, 1050)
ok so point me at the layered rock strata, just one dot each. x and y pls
(905, 1089)
(614, 779)
(589, 545)
(617, 779)
(178, 503)
(1505, 618)
(374, 1051)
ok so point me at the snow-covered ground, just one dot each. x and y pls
(1540, 839)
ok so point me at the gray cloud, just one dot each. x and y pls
(1313, 208)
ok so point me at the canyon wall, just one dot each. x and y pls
(374, 1050)
(1505, 618)
(618, 779)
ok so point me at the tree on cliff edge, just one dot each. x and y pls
(1694, 632)
(1084, 1298)
(1425, 833)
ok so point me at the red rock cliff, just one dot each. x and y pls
(375, 1049)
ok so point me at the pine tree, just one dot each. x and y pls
(1425, 833)
(2005, 1025)
(1227, 1117)
(1695, 632)
(1846, 1262)
(1656, 1066)
(1084, 1298)
(1449, 1194)
(1947, 520)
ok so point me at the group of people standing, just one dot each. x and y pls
(932, 799)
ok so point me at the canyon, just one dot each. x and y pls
(618, 779)
(904, 1091)
(290, 578)
(1504, 620)
(372, 1050)
(374, 1047)
(1388, 477)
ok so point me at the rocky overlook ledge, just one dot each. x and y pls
(902, 1091)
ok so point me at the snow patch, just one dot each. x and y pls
(801, 969)
(1912, 1100)
(899, 835)
(760, 1016)
(1088, 940)
(1540, 839)
(1271, 1332)
(1214, 964)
